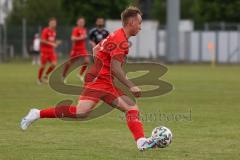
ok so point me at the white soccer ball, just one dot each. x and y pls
(162, 136)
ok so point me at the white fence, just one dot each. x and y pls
(195, 46)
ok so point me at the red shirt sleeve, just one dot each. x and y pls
(44, 35)
(75, 32)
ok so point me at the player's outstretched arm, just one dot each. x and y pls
(92, 43)
(82, 37)
(49, 43)
(96, 49)
(117, 71)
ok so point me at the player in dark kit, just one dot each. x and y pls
(99, 84)
(98, 33)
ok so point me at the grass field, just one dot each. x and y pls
(211, 131)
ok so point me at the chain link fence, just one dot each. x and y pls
(216, 42)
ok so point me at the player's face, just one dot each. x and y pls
(100, 22)
(53, 24)
(135, 25)
(81, 22)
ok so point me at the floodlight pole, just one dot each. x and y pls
(173, 17)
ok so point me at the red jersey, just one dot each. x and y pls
(79, 45)
(114, 46)
(48, 34)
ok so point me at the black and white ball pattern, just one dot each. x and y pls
(162, 136)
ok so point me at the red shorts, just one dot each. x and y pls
(76, 53)
(48, 57)
(101, 91)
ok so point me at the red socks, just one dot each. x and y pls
(41, 69)
(83, 69)
(40, 72)
(50, 69)
(135, 124)
(66, 67)
(59, 112)
(132, 116)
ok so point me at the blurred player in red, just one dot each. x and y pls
(47, 49)
(79, 50)
(110, 55)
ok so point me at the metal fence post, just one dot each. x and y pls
(200, 46)
(1, 46)
(228, 48)
(4, 42)
(24, 38)
(238, 44)
(187, 47)
(157, 43)
(217, 47)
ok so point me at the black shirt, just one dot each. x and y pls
(97, 35)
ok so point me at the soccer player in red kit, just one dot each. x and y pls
(109, 59)
(47, 49)
(79, 50)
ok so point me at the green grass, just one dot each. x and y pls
(212, 95)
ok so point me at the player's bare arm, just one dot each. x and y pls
(95, 49)
(92, 43)
(119, 73)
(53, 44)
(82, 37)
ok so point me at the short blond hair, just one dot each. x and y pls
(129, 12)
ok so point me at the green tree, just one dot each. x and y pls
(216, 11)
(201, 11)
(159, 11)
(187, 9)
(36, 12)
(92, 9)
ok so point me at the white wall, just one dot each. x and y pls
(144, 44)
(5, 9)
(226, 46)
(195, 46)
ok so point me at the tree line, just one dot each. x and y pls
(37, 12)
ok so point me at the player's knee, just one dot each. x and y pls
(42, 66)
(83, 112)
(82, 115)
(135, 107)
(54, 64)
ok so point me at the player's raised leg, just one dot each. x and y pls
(65, 70)
(53, 63)
(81, 110)
(84, 67)
(40, 73)
(50, 69)
(125, 104)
